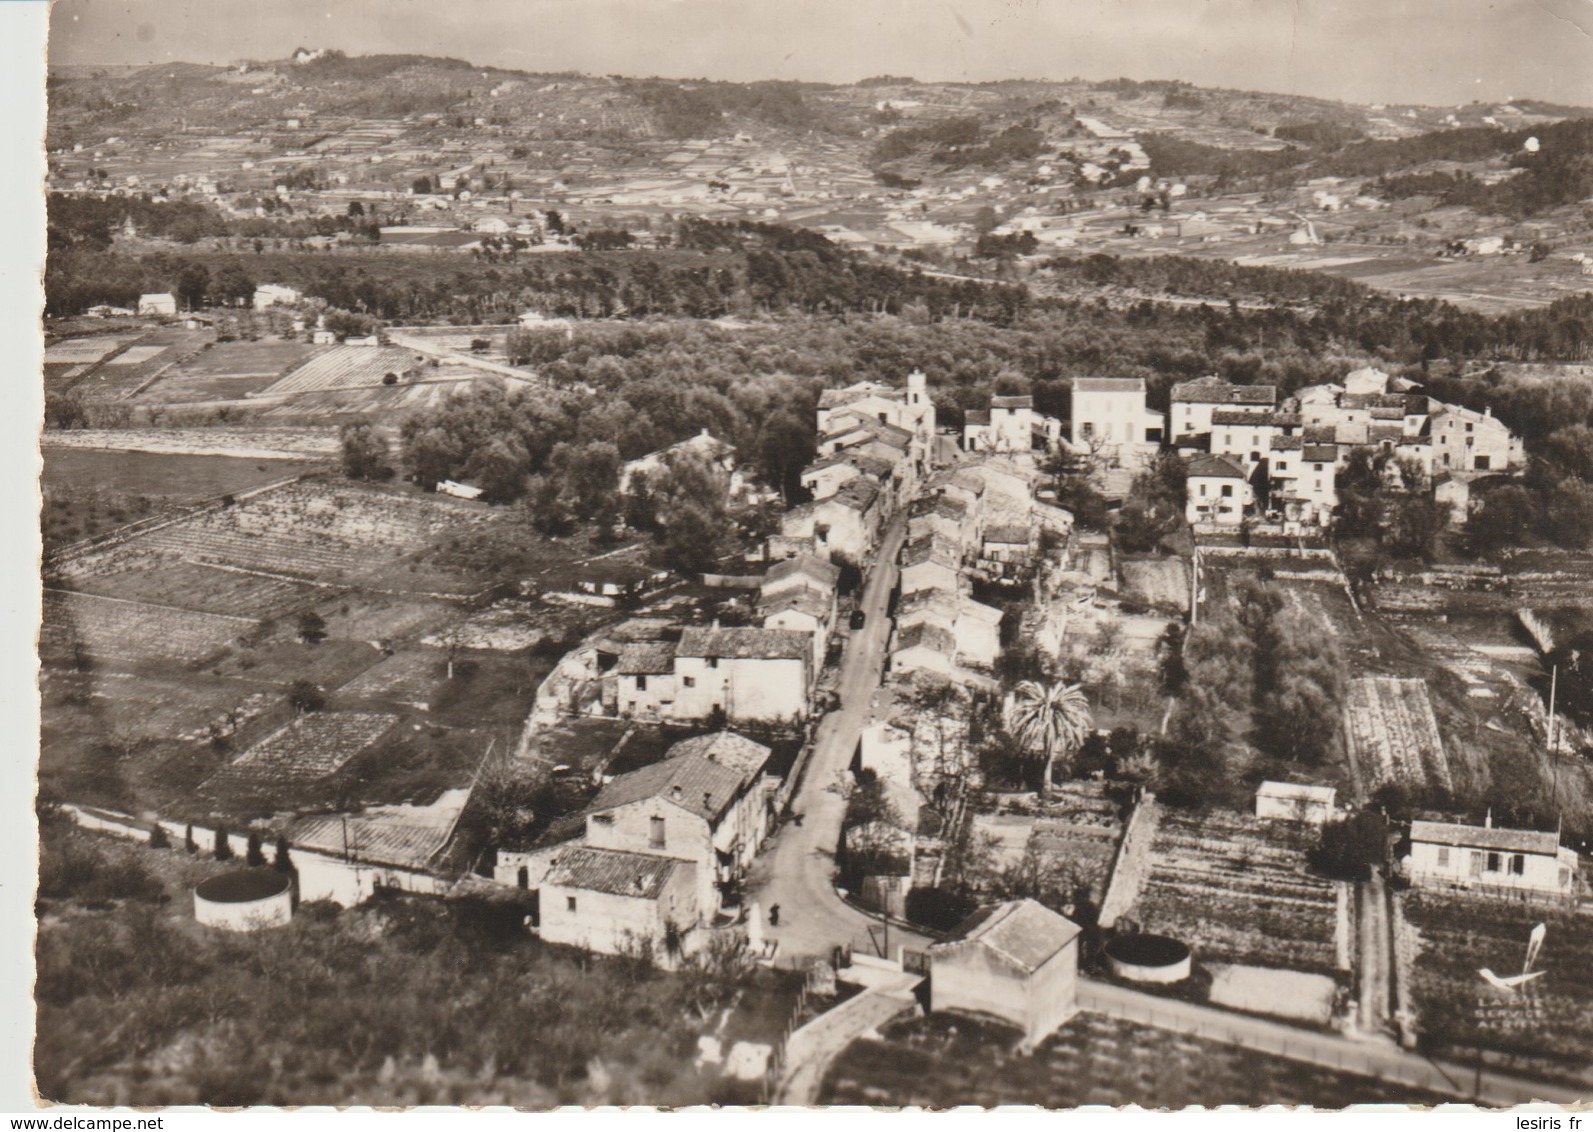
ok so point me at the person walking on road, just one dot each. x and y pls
(774, 915)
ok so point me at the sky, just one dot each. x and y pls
(1436, 52)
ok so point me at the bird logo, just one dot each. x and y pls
(1510, 983)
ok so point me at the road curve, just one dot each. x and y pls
(797, 872)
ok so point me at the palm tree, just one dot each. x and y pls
(1050, 720)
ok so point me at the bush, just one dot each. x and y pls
(223, 850)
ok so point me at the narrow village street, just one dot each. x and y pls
(797, 873)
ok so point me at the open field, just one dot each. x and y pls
(228, 370)
(119, 377)
(1236, 889)
(89, 492)
(78, 623)
(321, 531)
(945, 1060)
(1545, 1028)
(345, 367)
(249, 444)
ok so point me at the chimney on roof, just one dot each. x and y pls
(707, 800)
(641, 883)
(1487, 822)
(674, 792)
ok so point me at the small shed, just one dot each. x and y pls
(1018, 961)
(458, 490)
(1295, 801)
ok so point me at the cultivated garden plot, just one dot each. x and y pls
(107, 628)
(318, 531)
(1236, 889)
(946, 1060)
(228, 370)
(119, 377)
(1393, 735)
(347, 367)
(1077, 829)
(1544, 1028)
(251, 443)
(163, 580)
(312, 747)
(381, 402)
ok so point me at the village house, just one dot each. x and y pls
(847, 524)
(1010, 425)
(824, 476)
(1216, 491)
(750, 675)
(796, 537)
(801, 572)
(1008, 550)
(852, 430)
(710, 448)
(1519, 860)
(707, 803)
(1110, 420)
(974, 626)
(618, 903)
(1194, 402)
(1302, 484)
(923, 645)
(1246, 437)
(1017, 961)
(1466, 440)
(802, 611)
(931, 562)
(910, 409)
(942, 516)
(645, 675)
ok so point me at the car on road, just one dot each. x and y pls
(858, 618)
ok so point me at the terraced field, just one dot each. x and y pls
(111, 629)
(1237, 889)
(202, 587)
(1545, 1028)
(346, 367)
(1393, 734)
(312, 746)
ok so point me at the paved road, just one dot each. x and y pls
(798, 871)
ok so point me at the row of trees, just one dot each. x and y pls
(1257, 673)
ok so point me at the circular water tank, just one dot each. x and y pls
(245, 900)
(1155, 959)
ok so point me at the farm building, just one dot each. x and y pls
(1520, 860)
(750, 675)
(161, 305)
(709, 447)
(1018, 961)
(708, 806)
(1293, 801)
(618, 583)
(614, 902)
(645, 676)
